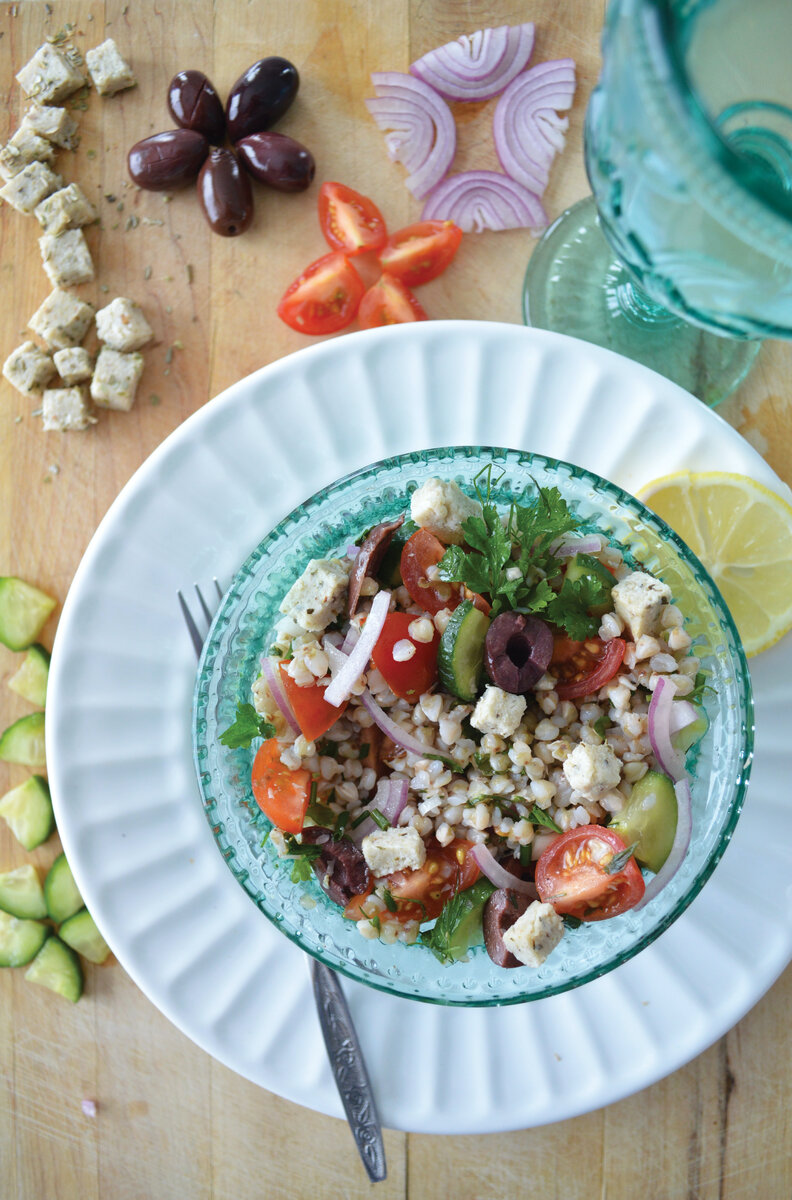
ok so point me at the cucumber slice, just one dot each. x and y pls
(581, 565)
(23, 612)
(30, 680)
(28, 812)
(460, 655)
(20, 941)
(683, 739)
(649, 818)
(21, 894)
(61, 892)
(81, 934)
(23, 742)
(57, 967)
(459, 925)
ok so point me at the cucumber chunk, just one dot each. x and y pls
(460, 655)
(581, 565)
(30, 680)
(61, 892)
(23, 612)
(81, 934)
(21, 893)
(684, 738)
(20, 940)
(649, 818)
(28, 811)
(57, 967)
(23, 742)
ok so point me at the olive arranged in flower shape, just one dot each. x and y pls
(517, 651)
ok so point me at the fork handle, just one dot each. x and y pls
(349, 1069)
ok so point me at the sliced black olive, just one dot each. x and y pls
(517, 651)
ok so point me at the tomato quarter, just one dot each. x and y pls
(325, 298)
(572, 875)
(422, 894)
(582, 668)
(350, 222)
(389, 302)
(420, 252)
(282, 794)
(412, 678)
(312, 712)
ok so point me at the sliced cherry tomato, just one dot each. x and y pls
(412, 678)
(324, 298)
(572, 875)
(421, 894)
(314, 715)
(421, 551)
(389, 302)
(582, 668)
(356, 909)
(420, 252)
(282, 794)
(350, 222)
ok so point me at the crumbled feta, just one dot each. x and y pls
(440, 506)
(122, 326)
(66, 409)
(66, 257)
(317, 597)
(638, 599)
(53, 123)
(74, 364)
(28, 369)
(68, 208)
(498, 712)
(27, 189)
(592, 770)
(108, 70)
(535, 934)
(115, 379)
(49, 76)
(22, 149)
(62, 320)
(389, 850)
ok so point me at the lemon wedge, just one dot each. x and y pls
(742, 532)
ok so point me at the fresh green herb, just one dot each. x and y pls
(483, 763)
(537, 817)
(374, 919)
(572, 605)
(450, 763)
(444, 938)
(359, 819)
(526, 856)
(295, 849)
(390, 903)
(379, 819)
(247, 726)
(263, 841)
(320, 814)
(340, 826)
(600, 725)
(301, 870)
(620, 860)
(701, 688)
(364, 749)
(325, 748)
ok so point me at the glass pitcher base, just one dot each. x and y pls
(575, 284)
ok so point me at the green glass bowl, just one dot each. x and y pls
(241, 632)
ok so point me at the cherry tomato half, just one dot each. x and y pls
(412, 678)
(389, 302)
(350, 222)
(420, 252)
(282, 794)
(572, 876)
(421, 894)
(324, 298)
(312, 712)
(582, 668)
(421, 551)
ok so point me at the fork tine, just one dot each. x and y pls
(192, 628)
(203, 604)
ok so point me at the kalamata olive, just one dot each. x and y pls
(277, 160)
(341, 869)
(517, 651)
(503, 908)
(225, 193)
(369, 557)
(194, 104)
(167, 160)
(260, 96)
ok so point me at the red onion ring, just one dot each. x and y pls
(669, 760)
(479, 65)
(277, 692)
(351, 640)
(422, 133)
(391, 798)
(499, 875)
(679, 847)
(340, 687)
(392, 730)
(478, 200)
(526, 128)
(592, 543)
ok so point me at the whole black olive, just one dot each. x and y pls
(195, 104)
(277, 160)
(517, 651)
(167, 160)
(225, 194)
(260, 96)
(501, 911)
(341, 869)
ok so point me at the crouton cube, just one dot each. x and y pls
(49, 76)
(27, 189)
(54, 123)
(22, 149)
(74, 364)
(65, 409)
(115, 379)
(28, 369)
(67, 259)
(68, 208)
(389, 850)
(62, 320)
(108, 70)
(122, 326)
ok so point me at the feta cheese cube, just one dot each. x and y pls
(62, 320)
(498, 712)
(440, 506)
(389, 850)
(55, 124)
(68, 208)
(592, 770)
(638, 599)
(115, 379)
(27, 189)
(535, 934)
(122, 326)
(49, 76)
(66, 409)
(22, 149)
(318, 596)
(74, 365)
(67, 259)
(28, 369)
(109, 73)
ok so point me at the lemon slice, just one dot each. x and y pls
(742, 532)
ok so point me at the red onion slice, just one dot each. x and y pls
(391, 797)
(592, 543)
(351, 640)
(669, 760)
(479, 65)
(526, 128)
(678, 849)
(499, 875)
(392, 730)
(422, 133)
(478, 200)
(340, 687)
(278, 694)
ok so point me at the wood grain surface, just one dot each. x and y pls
(171, 1122)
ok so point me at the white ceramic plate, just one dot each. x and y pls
(119, 734)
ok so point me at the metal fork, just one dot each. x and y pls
(335, 1019)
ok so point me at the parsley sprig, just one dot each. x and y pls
(247, 726)
(445, 938)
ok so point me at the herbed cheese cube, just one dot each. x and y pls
(65, 409)
(68, 208)
(389, 850)
(62, 320)
(27, 189)
(122, 326)
(49, 76)
(638, 600)
(74, 364)
(22, 149)
(498, 712)
(108, 70)
(440, 506)
(318, 596)
(67, 259)
(52, 122)
(115, 379)
(28, 369)
(592, 770)
(535, 934)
